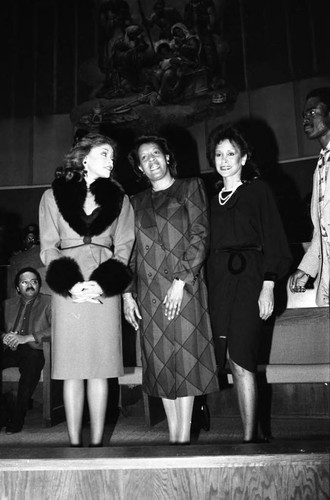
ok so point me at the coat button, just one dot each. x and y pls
(154, 301)
(165, 271)
(147, 247)
(87, 240)
(150, 275)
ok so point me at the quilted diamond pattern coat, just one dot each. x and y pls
(172, 237)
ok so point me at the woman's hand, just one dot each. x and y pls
(173, 299)
(86, 291)
(131, 310)
(266, 300)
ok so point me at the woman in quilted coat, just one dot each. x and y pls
(170, 306)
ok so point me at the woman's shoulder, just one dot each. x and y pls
(48, 195)
(189, 185)
(257, 186)
(141, 194)
(191, 181)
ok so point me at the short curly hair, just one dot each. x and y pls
(133, 156)
(323, 93)
(72, 164)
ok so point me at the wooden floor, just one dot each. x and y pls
(137, 462)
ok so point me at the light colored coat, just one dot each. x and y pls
(86, 337)
(312, 262)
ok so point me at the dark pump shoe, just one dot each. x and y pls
(14, 427)
(200, 418)
(205, 417)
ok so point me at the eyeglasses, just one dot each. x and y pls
(310, 113)
(29, 282)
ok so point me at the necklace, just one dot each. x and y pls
(224, 198)
(166, 187)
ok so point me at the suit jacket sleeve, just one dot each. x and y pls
(44, 333)
(310, 263)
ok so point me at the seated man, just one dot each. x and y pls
(25, 321)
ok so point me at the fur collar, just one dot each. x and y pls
(70, 197)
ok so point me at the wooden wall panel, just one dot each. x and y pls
(300, 37)
(86, 45)
(52, 138)
(16, 151)
(18, 208)
(176, 477)
(233, 34)
(266, 46)
(7, 40)
(275, 107)
(45, 80)
(66, 51)
(320, 11)
(24, 62)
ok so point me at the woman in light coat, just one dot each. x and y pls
(86, 235)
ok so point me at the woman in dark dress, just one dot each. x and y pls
(249, 252)
(172, 238)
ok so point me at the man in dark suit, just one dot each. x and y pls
(25, 321)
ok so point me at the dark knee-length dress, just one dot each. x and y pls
(172, 237)
(248, 246)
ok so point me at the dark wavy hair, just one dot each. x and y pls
(72, 165)
(26, 270)
(227, 132)
(133, 156)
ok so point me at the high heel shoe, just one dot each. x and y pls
(256, 441)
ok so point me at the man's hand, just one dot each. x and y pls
(13, 340)
(298, 280)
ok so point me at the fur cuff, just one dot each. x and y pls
(62, 274)
(112, 276)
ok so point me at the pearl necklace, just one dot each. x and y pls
(223, 199)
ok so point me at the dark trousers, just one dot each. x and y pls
(30, 363)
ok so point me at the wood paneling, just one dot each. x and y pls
(16, 152)
(66, 63)
(24, 58)
(52, 138)
(266, 45)
(166, 472)
(45, 77)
